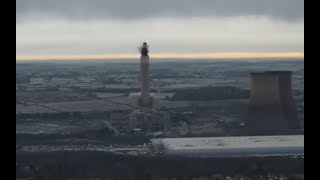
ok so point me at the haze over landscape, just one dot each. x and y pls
(176, 29)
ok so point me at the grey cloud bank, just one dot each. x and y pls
(134, 9)
(73, 27)
(195, 35)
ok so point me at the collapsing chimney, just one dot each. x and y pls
(146, 117)
(271, 105)
(146, 100)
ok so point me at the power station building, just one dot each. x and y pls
(237, 146)
(271, 104)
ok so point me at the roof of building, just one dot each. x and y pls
(231, 146)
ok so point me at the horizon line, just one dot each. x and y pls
(221, 55)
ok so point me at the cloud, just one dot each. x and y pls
(93, 27)
(179, 35)
(287, 10)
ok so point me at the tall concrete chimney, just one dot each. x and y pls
(145, 100)
(271, 104)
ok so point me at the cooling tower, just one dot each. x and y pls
(271, 104)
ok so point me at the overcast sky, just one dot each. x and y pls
(94, 27)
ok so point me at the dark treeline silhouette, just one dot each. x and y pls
(210, 93)
(82, 164)
(102, 136)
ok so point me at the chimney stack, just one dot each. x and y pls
(145, 101)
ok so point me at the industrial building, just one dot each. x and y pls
(271, 104)
(241, 146)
